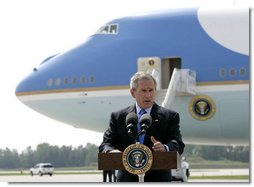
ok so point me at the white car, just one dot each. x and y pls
(41, 169)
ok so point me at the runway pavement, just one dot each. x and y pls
(73, 178)
(97, 178)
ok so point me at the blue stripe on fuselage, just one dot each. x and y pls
(112, 59)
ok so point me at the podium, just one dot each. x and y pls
(161, 161)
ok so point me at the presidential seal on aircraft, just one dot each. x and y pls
(202, 107)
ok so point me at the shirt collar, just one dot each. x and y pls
(148, 110)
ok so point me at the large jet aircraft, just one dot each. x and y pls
(199, 57)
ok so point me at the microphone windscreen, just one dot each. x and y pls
(131, 118)
(147, 119)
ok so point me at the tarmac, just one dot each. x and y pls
(97, 178)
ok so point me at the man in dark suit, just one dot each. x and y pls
(163, 134)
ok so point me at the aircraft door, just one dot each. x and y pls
(168, 66)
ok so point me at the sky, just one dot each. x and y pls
(33, 30)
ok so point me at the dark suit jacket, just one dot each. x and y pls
(165, 128)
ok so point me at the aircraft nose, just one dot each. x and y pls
(25, 86)
(31, 84)
(35, 81)
(21, 88)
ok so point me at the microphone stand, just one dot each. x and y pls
(147, 119)
(141, 177)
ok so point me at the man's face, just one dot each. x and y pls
(144, 94)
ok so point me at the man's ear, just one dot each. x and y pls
(132, 93)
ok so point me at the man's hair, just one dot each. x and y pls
(141, 76)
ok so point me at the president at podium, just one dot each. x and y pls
(144, 122)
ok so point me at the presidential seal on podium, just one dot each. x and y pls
(137, 159)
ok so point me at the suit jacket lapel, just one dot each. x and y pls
(156, 116)
(131, 109)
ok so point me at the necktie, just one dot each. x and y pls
(141, 137)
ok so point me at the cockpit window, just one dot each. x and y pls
(108, 29)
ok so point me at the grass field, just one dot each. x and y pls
(199, 163)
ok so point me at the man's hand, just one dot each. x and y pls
(157, 146)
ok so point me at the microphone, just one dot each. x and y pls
(145, 122)
(131, 122)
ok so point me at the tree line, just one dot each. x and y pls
(65, 156)
(232, 153)
(68, 156)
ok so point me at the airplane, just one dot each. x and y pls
(199, 57)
